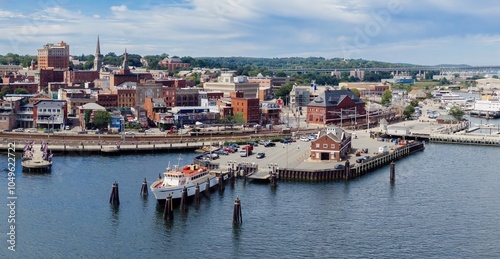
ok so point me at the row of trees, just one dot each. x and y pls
(6, 90)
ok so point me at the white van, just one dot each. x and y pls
(383, 149)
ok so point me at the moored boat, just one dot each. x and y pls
(188, 176)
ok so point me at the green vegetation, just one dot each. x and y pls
(86, 118)
(408, 111)
(283, 91)
(20, 91)
(102, 119)
(15, 59)
(356, 91)
(456, 112)
(414, 103)
(386, 97)
(4, 91)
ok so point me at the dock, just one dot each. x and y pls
(37, 162)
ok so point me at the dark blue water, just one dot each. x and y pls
(444, 204)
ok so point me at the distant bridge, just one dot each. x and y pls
(400, 68)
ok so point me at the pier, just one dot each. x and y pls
(37, 161)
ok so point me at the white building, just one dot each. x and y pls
(228, 83)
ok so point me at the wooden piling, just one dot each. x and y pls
(168, 213)
(393, 171)
(184, 196)
(144, 188)
(197, 194)
(274, 181)
(207, 188)
(115, 197)
(237, 217)
(220, 180)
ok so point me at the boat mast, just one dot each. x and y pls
(179, 161)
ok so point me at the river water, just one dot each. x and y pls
(443, 204)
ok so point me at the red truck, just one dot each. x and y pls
(246, 150)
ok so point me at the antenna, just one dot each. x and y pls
(179, 161)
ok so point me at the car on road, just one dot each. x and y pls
(19, 130)
(261, 155)
(149, 131)
(269, 144)
(32, 130)
(48, 131)
(82, 132)
(129, 133)
(141, 130)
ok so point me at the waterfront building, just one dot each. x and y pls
(54, 55)
(488, 84)
(336, 106)
(8, 112)
(157, 112)
(147, 90)
(126, 93)
(332, 144)
(50, 114)
(191, 115)
(93, 107)
(106, 98)
(140, 115)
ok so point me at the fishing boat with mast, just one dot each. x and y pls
(189, 176)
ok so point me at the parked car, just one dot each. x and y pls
(286, 140)
(149, 131)
(228, 150)
(243, 153)
(142, 130)
(19, 130)
(82, 132)
(360, 160)
(32, 130)
(304, 138)
(221, 152)
(129, 133)
(48, 131)
(67, 127)
(253, 143)
(261, 155)
(262, 142)
(269, 144)
(339, 166)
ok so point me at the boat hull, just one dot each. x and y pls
(161, 193)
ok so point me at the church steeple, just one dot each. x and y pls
(125, 69)
(98, 56)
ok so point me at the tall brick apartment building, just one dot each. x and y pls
(54, 55)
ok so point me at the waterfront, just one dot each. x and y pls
(442, 205)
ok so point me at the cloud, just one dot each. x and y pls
(263, 28)
(121, 8)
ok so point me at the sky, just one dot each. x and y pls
(422, 32)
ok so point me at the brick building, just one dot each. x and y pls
(54, 55)
(80, 76)
(331, 104)
(249, 107)
(172, 63)
(48, 75)
(332, 144)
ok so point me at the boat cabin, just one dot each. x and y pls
(187, 174)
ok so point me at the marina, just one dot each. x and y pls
(435, 194)
(36, 157)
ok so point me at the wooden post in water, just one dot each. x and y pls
(274, 180)
(237, 217)
(393, 171)
(207, 188)
(168, 213)
(115, 197)
(184, 197)
(220, 180)
(197, 194)
(144, 188)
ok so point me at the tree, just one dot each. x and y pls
(283, 91)
(408, 111)
(414, 103)
(86, 117)
(386, 97)
(495, 76)
(428, 95)
(280, 74)
(5, 90)
(356, 91)
(101, 119)
(456, 112)
(20, 91)
(238, 118)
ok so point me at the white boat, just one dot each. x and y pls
(188, 176)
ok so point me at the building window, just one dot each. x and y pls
(317, 145)
(333, 146)
(325, 145)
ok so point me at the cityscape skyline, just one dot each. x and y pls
(399, 31)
